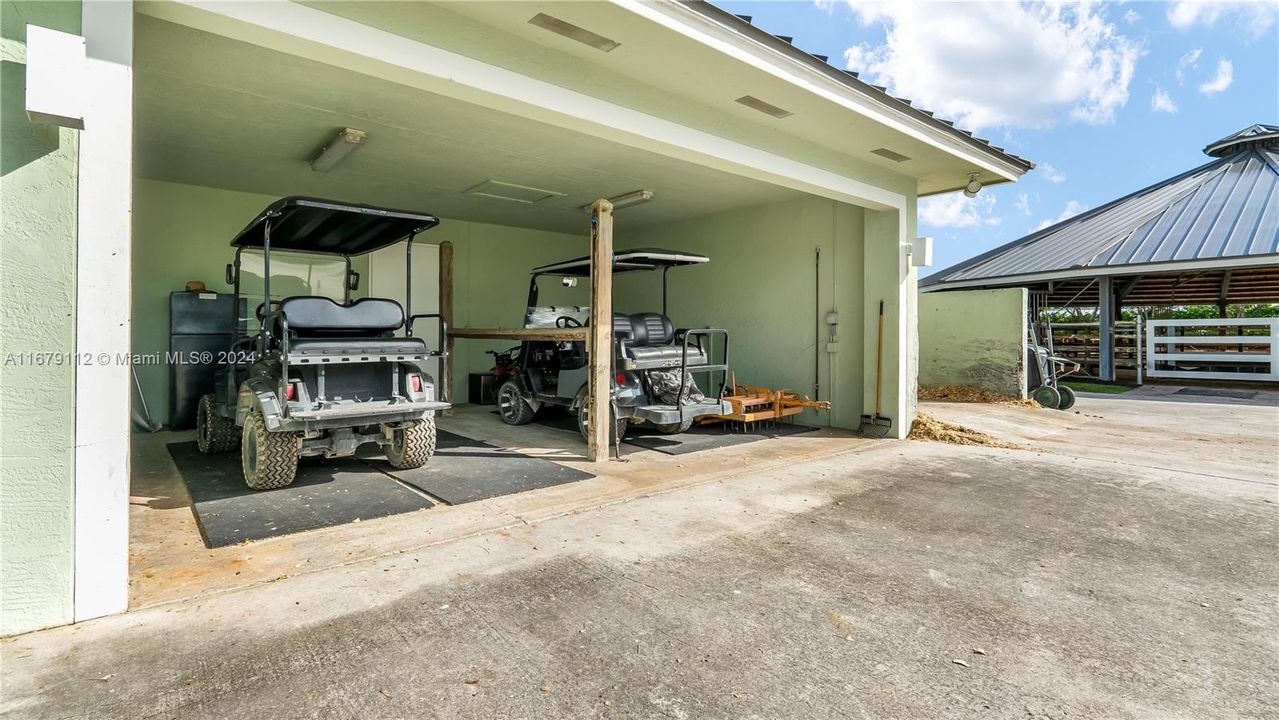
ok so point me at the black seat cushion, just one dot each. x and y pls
(649, 329)
(313, 315)
(354, 346)
(668, 354)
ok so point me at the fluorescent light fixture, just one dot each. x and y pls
(573, 32)
(755, 103)
(886, 153)
(348, 140)
(512, 192)
(634, 197)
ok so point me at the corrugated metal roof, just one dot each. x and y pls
(1227, 209)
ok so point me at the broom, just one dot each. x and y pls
(877, 426)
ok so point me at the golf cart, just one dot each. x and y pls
(652, 364)
(322, 377)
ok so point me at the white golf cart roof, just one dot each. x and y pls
(625, 261)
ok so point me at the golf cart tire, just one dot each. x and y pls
(412, 445)
(675, 428)
(1047, 396)
(512, 404)
(214, 433)
(269, 459)
(618, 431)
(1067, 398)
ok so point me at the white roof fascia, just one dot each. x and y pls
(1109, 270)
(690, 23)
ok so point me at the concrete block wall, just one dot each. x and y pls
(974, 337)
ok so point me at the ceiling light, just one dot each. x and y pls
(973, 187)
(631, 198)
(515, 193)
(755, 103)
(573, 32)
(346, 142)
(886, 153)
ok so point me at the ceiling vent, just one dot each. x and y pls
(573, 32)
(515, 193)
(886, 153)
(755, 103)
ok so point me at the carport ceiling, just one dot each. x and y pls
(220, 113)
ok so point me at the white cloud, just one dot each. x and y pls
(1073, 208)
(1253, 17)
(1160, 102)
(999, 64)
(953, 210)
(1189, 60)
(1050, 173)
(1223, 79)
(1131, 16)
(1022, 203)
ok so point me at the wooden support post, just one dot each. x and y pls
(1106, 313)
(600, 346)
(446, 314)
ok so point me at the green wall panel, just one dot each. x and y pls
(37, 315)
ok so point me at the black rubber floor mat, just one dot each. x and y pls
(465, 470)
(708, 438)
(1218, 392)
(325, 493)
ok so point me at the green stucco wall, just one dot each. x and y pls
(974, 337)
(182, 232)
(37, 314)
(760, 285)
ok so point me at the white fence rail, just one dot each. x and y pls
(1213, 349)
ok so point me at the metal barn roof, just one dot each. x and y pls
(1224, 214)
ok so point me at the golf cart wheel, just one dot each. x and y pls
(1067, 398)
(1047, 396)
(269, 459)
(674, 428)
(412, 445)
(214, 433)
(616, 432)
(512, 406)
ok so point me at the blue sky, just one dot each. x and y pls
(1106, 98)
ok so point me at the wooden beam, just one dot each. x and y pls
(446, 314)
(578, 334)
(600, 346)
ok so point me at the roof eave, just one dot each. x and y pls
(1110, 270)
(897, 113)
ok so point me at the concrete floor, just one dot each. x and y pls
(1070, 579)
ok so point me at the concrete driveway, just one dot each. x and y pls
(908, 580)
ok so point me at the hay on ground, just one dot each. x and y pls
(970, 394)
(927, 427)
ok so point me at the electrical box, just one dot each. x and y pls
(55, 77)
(921, 252)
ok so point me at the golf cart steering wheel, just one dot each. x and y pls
(275, 305)
(566, 321)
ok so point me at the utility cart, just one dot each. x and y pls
(322, 376)
(653, 363)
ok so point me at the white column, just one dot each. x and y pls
(888, 276)
(102, 313)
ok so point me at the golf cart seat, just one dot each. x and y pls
(319, 326)
(654, 343)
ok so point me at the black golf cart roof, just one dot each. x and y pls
(625, 261)
(306, 224)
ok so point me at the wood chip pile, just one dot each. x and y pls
(968, 393)
(927, 427)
